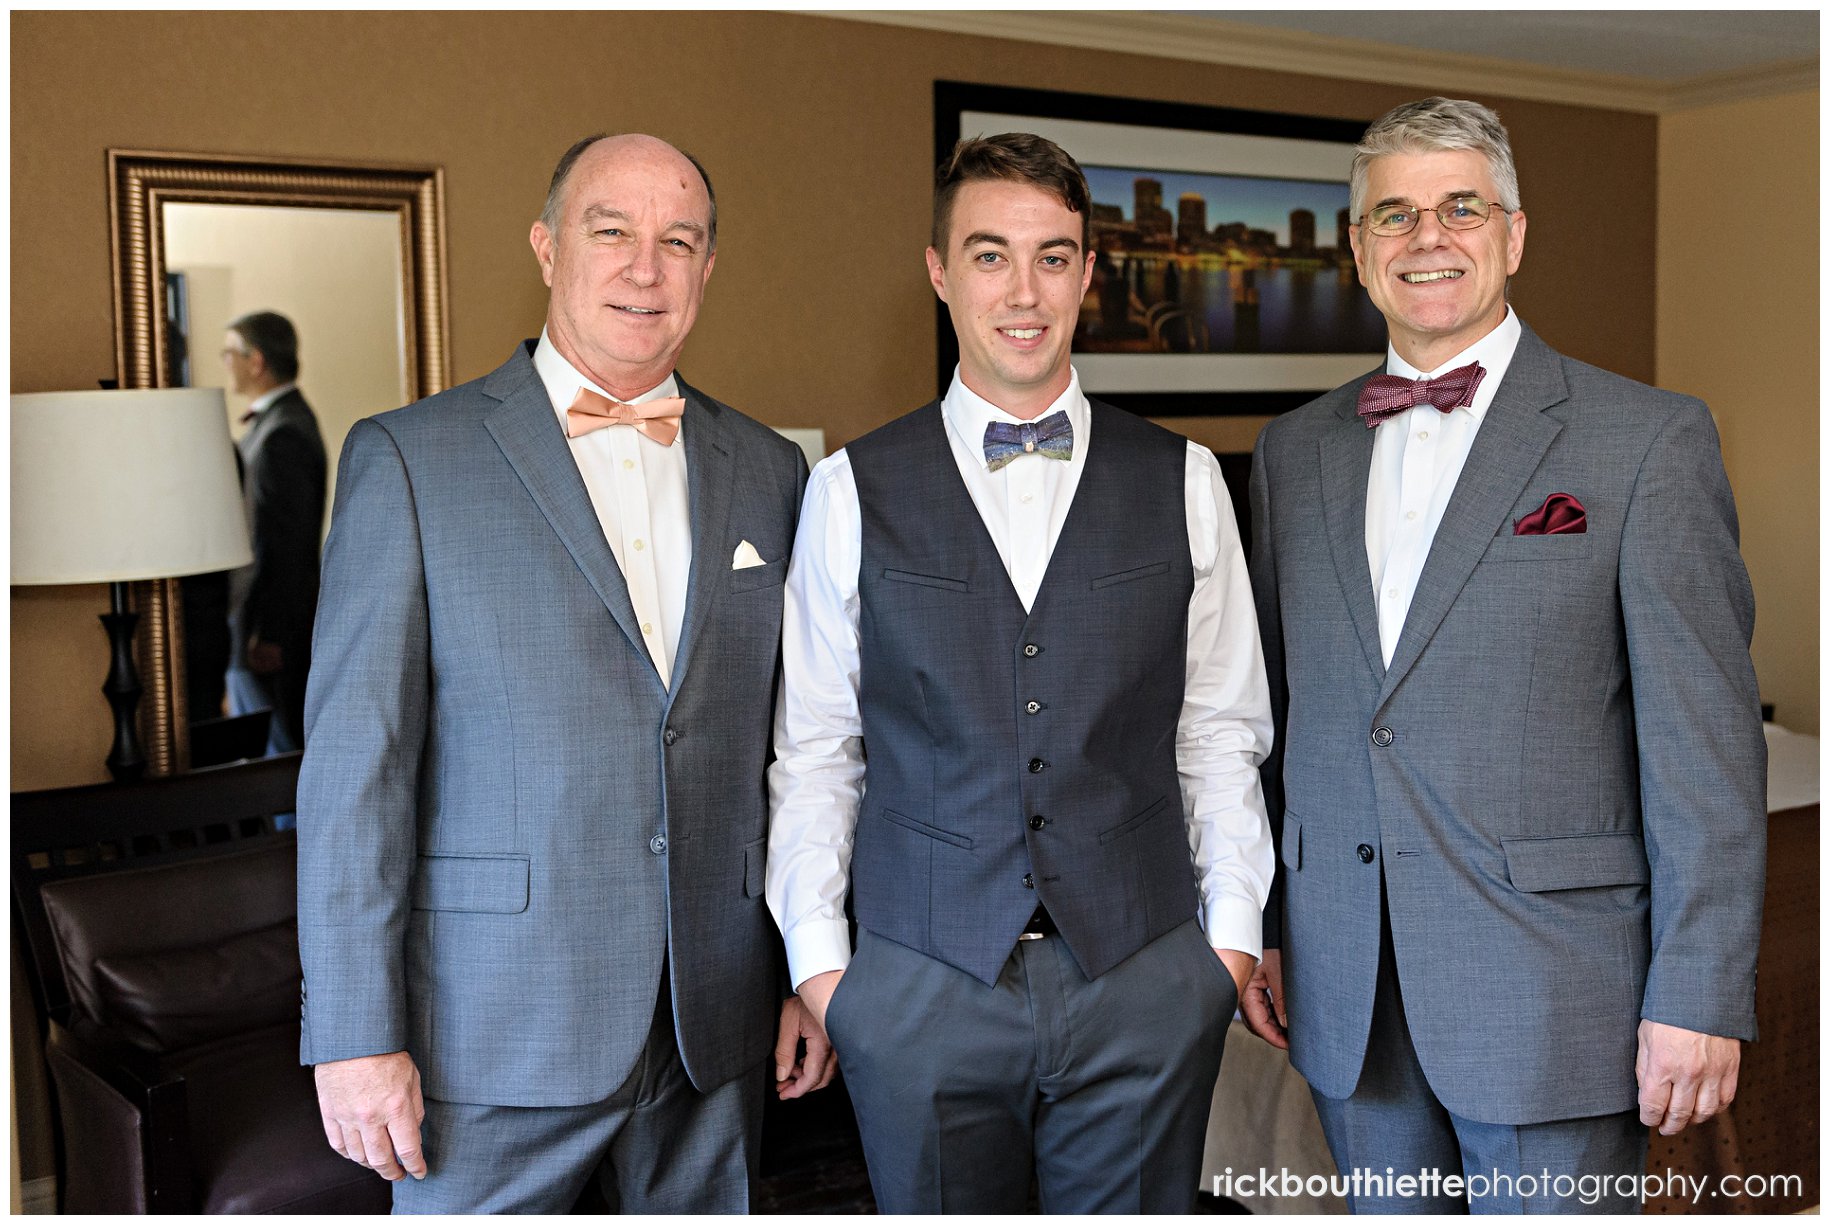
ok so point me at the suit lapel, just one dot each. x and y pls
(710, 473)
(1346, 460)
(1508, 449)
(527, 430)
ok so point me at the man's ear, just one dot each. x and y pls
(937, 274)
(542, 240)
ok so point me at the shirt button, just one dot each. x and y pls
(1037, 822)
(1382, 736)
(1391, 593)
(1365, 853)
(1423, 435)
(628, 463)
(1033, 707)
(1029, 880)
(1037, 765)
(647, 628)
(1031, 650)
(1027, 498)
(639, 546)
(1411, 515)
(658, 844)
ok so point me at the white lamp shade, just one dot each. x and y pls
(112, 486)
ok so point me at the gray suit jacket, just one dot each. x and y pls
(1560, 777)
(506, 818)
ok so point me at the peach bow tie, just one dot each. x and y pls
(659, 419)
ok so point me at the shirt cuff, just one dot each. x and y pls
(816, 946)
(1235, 923)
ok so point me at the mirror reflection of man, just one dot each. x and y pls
(1034, 610)
(283, 475)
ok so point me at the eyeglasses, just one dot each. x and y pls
(1457, 213)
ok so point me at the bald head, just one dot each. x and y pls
(634, 145)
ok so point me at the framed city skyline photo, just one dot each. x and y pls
(1223, 281)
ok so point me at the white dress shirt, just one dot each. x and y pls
(268, 398)
(1417, 458)
(817, 780)
(638, 489)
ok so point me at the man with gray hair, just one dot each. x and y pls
(1519, 779)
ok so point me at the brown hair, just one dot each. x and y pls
(1016, 157)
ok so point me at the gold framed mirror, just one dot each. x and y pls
(151, 197)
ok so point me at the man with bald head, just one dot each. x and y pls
(532, 817)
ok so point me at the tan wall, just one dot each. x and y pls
(1738, 326)
(818, 132)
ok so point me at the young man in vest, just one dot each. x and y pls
(1024, 700)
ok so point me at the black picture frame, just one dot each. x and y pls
(952, 99)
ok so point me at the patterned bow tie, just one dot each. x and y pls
(1387, 395)
(1052, 436)
(659, 419)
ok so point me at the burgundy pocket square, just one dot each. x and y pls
(1560, 515)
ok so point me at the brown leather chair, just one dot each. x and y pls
(161, 918)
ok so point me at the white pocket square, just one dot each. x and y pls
(746, 556)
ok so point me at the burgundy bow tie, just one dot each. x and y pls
(1387, 395)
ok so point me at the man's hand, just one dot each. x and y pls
(1240, 966)
(814, 1069)
(372, 1110)
(1262, 1001)
(816, 993)
(265, 658)
(1684, 1077)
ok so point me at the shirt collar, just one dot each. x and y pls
(562, 380)
(266, 399)
(967, 414)
(1493, 351)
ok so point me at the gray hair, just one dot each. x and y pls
(549, 212)
(1434, 125)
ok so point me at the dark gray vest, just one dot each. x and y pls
(1017, 758)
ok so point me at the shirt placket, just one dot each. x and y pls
(1416, 484)
(638, 559)
(1028, 525)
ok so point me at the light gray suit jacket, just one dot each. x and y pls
(1560, 777)
(506, 818)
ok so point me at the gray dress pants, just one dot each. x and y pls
(1097, 1089)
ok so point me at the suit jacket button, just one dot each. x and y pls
(658, 844)
(1037, 765)
(1032, 707)
(1037, 822)
(1031, 650)
(1029, 880)
(1382, 736)
(1365, 853)
(669, 736)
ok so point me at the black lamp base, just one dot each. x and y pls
(125, 761)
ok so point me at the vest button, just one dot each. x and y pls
(669, 736)
(1037, 765)
(1365, 853)
(1032, 707)
(1031, 650)
(1037, 822)
(1382, 736)
(1029, 880)
(658, 844)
